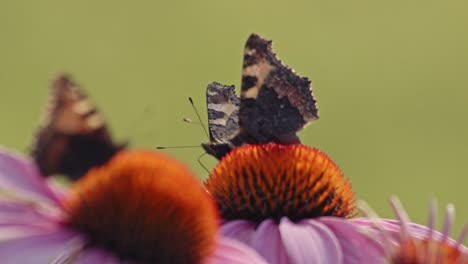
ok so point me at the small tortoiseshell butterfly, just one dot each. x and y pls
(275, 103)
(73, 137)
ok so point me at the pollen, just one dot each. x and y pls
(144, 207)
(258, 182)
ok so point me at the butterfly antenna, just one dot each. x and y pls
(176, 147)
(201, 164)
(199, 118)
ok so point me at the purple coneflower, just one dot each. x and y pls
(140, 207)
(408, 243)
(291, 204)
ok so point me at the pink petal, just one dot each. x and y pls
(309, 241)
(393, 228)
(19, 220)
(95, 256)
(357, 247)
(12, 232)
(37, 249)
(241, 230)
(233, 252)
(18, 175)
(20, 212)
(60, 189)
(268, 243)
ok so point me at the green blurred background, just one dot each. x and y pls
(391, 79)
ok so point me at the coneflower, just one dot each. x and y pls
(409, 243)
(291, 203)
(140, 207)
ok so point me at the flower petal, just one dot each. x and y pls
(14, 231)
(392, 227)
(19, 212)
(37, 249)
(309, 241)
(233, 252)
(241, 230)
(19, 175)
(356, 246)
(95, 256)
(268, 243)
(60, 190)
(19, 220)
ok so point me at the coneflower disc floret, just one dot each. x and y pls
(258, 182)
(145, 207)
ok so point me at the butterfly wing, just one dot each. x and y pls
(223, 117)
(73, 137)
(223, 112)
(275, 101)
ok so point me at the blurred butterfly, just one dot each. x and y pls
(275, 103)
(73, 137)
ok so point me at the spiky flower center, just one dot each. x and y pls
(145, 207)
(258, 182)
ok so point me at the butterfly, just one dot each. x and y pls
(73, 136)
(275, 103)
